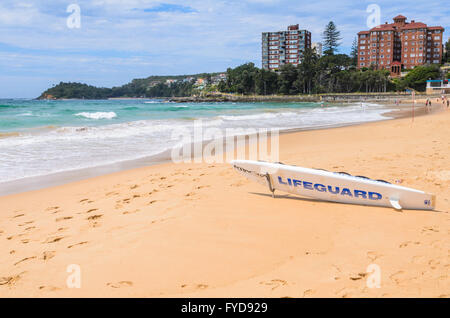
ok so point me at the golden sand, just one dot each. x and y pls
(201, 230)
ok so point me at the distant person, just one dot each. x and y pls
(448, 103)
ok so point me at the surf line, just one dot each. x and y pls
(331, 189)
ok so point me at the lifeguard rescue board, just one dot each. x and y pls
(333, 186)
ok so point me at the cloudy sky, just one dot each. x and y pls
(124, 39)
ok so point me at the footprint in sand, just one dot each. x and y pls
(53, 239)
(428, 229)
(64, 218)
(10, 280)
(91, 210)
(18, 216)
(275, 283)
(238, 184)
(404, 244)
(120, 284)
(48, 255)
(84, 200)
(78, 244)
(358, 277)
(201, 286)
(372, 255)
(346, 292)
(308, 292)
(130, 212)
(26, 223)
(49, 288)
(24, 260)
(94, 217)
(401, 277)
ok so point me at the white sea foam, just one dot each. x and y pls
(98, 115)
(27, 114)
(68, 148)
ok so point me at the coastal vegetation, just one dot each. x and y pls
(153, 86)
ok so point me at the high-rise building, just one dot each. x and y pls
(317, 46)
(284, 47)
(400, 45)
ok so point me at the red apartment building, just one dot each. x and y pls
(400, 45)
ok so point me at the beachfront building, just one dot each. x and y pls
(284, 47)
(400, 45)
(438, 87)
(318, 48)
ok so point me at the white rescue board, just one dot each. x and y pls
(333, 186)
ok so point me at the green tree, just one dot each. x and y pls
(331, 37)
(417, 78)
(307, 72)
(447, 52)
(288, 75)
(354, 52)
(266, 82)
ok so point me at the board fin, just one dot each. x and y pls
(395, 203)
(269, 182)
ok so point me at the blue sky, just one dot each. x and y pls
(124, 39)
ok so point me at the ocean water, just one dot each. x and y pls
(43, 137)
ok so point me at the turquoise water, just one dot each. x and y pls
(43, 137)
(18, 115)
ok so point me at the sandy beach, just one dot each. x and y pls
(201, 230)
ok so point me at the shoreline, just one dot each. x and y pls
(63, 177)
(228, 97)
(202, 230)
